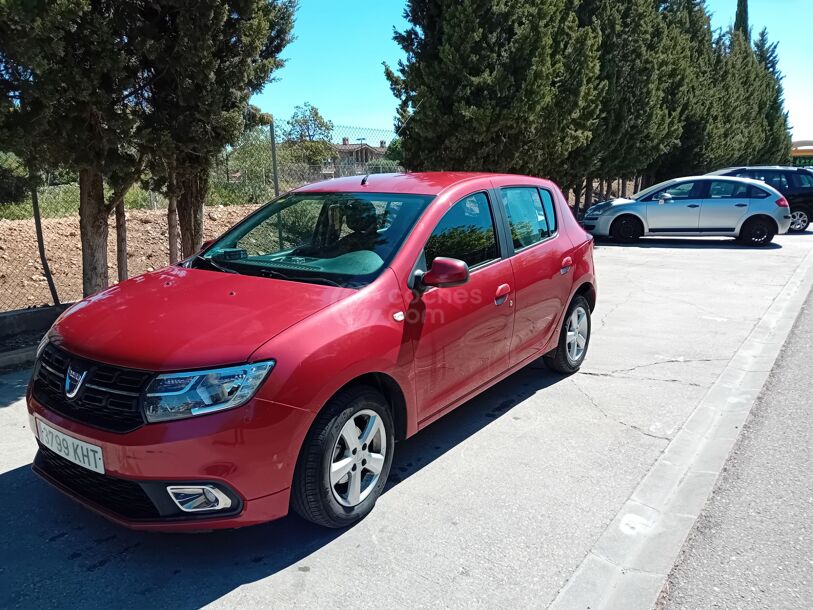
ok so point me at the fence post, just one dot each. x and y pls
(276, 182)
(274, 160)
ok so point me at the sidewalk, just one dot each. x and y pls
(752, 547)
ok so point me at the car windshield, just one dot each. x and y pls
(641, 195)
(343, 239)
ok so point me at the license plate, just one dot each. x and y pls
(79, 452)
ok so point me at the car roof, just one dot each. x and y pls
(790, 168)
(418, 183)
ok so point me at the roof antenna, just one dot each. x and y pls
(364, 180)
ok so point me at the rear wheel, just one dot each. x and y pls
(626, 229)
(799, 219)
(345, 460)
(574, 339)
(757, 232)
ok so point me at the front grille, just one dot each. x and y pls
(119, 496)
(588, 227)
(109, 398)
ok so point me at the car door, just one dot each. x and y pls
(725, 205)
(462, 335)
(679, 212)
(801, 188)
(541, 265)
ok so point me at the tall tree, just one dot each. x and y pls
(202, 60)
(693, 81)
(306, 136)
(78, 76)
(505, 86)
(777, 145)
(638, 124)
(741, 20)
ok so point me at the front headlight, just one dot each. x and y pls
(598, 210)
(179, 395)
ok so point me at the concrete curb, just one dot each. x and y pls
(629, 563)
(18, 357)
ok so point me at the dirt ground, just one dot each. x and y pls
(22, 283)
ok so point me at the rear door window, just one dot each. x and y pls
(727, 189)
(527, 218)
(771, 177)
(801, 180)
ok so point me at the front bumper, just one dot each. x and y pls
(598, 226)
(249, 453)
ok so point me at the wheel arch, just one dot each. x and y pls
(588, 291)
(758, 215)
(392, 391)
(634, 214)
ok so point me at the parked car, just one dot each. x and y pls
(748, 210)
(279, 366)
(795, 184)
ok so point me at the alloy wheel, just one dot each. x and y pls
(358, 457)
(577, 330)
(798, 220)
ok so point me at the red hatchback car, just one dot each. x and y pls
(278, 367)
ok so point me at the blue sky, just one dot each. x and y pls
(335, 61)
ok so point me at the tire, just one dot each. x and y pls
(329, 500)
(626, 229)
(757, 232)
(799, 220)
(565, 359)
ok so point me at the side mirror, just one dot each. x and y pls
(665, 198)
(445, 273)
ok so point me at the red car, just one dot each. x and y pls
(278, 367)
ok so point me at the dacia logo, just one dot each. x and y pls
(73, 381)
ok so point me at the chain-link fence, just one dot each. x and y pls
(242, 177)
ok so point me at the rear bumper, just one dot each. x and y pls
(249, 453)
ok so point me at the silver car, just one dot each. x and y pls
(749, 210)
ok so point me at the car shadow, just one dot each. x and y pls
(58, 553)
(698, 243)
(13, 384)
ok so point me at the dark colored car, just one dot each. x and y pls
(277, 368)
(795, 183)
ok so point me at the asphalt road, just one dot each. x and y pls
(752, 546)
(496, 504)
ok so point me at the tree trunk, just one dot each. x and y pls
(588, 194)
(623, 187)
(93, 231)
(46, 269)
(577, 195)
(192, 189)
(121, 239)
(637, 183)
(172, 228)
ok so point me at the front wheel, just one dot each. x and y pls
(757, 232)
(799, 219)
(574, 339)
(345, 460)
(626, 229)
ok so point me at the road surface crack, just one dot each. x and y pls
(620, 422)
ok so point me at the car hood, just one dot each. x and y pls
(178, 318)
(603, 206)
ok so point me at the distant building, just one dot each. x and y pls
(802, 153)
(359, 152)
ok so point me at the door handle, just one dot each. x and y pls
(567, 263)
(503, 290)
(693, 205)
(740, 205)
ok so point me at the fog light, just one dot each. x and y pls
(195, 498)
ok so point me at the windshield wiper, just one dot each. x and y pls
(317, 280)
(211, 263)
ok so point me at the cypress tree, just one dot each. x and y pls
(777, 145)
(636, 125)
(494, 85)
(741, 20)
